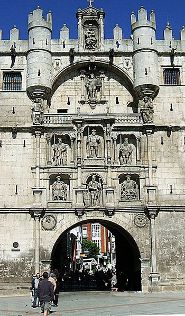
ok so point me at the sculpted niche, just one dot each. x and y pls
(126, 149)
(93, 142)
(60, 150)
(59, 187)
(92, 196)
(129, 187)
(90, 36)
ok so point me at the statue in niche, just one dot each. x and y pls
(147, 109)
(92, 85)
(93, 196)
(125, 152)
(90, 38)
(93, 144)
(37, 111)
(129, 189)
(59, 190)
(59, 153)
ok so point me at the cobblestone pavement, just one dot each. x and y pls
(100, 304)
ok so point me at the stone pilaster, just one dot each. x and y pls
(154, 275)
(37, 214)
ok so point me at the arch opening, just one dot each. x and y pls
(124, 262)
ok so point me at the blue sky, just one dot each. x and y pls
(14, 12)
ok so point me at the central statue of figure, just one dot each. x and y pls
(92, 85)
(93, 144)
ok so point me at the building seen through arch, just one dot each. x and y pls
(92, 132)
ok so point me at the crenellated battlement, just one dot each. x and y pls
(36, 19)
(142, 20)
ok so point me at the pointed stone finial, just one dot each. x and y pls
(168, 26)
(90, 2)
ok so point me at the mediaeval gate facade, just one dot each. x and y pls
(89, 132)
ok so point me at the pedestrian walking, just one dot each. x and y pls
(46, 294)
(34, 288)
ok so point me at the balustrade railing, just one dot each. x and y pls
(57, 119)
(54, 119)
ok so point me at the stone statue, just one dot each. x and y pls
(59, 153)
(93, 85)
(95, 189)
(37, 111)
(90, 38)
(125, 152)
(59, 190)
(147, 110)
(129, 189)
(13, 55)
(93, 144)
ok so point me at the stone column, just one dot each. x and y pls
(115, 149)
(37, 136)
(80, 35)
(101, 31)
(108, 141)
(154, 276)
(82, 76)
(48, 149)
(37, 215)
(138, 149)
(79, 152)
(72, 139)
(149, 134)
(151, 188)
(102, 77)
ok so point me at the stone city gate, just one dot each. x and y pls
(92, 129)
(133, 232)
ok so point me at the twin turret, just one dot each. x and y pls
(145, 58)
(39, 61)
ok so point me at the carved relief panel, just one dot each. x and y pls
(91, 36)
(129, 187)
(59, 188)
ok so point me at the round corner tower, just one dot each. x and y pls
(39, 61)
(145, 58)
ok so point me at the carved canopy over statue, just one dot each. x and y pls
(129, 189)
(59, 153)
(59, 190)
(93, 195)
(93, 145)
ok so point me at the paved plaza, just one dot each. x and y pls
(100, 303)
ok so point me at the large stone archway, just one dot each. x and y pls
(132, 247)
(126, 80)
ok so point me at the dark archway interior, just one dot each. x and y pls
(128, 264)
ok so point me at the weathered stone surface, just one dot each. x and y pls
(70, 88)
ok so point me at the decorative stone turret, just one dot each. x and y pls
(145, 58)
(39, 63)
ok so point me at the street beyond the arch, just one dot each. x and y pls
(100, 303)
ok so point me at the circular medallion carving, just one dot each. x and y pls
(140, 220)
(48, 222)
